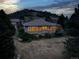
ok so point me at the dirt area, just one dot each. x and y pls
(42, 49)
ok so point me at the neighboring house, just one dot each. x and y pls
(15, 22)
(40, 26)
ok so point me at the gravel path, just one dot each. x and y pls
(42, 49)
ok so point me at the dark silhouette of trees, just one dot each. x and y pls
(31, 13)
(72, 43)
(61, 20)
(7, 48)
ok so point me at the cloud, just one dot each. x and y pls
(53, 6)
(65, 11)
(9, 8)
(63, 6)
(11, 1)
(9, 5)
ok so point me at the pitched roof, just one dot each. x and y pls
(39, 22)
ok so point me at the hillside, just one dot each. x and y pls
(31, 13)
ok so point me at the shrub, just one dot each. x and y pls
(47, 35)
(25, 36)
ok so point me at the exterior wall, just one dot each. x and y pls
(42, 29)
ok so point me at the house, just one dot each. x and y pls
(16, 23)
(40, 26)
(36, 26)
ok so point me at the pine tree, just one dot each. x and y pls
(72, 43)
(7, 48)
(61, 20)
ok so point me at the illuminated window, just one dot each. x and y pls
(36, 28)
(29, 29)
(49, 28)
(39, 28)
(44, 27)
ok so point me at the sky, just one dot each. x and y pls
(54, 6)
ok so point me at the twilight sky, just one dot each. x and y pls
(54, 6)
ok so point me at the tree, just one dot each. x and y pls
(7, 48)
(72, 43)
(61, 20)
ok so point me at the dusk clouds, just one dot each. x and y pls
(54, 6)
(65, 7)
(9, 5)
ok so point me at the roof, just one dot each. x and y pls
(15, 20)
(39, 22)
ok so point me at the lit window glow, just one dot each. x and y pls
(41, 28)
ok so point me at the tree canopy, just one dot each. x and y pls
(7, 49)
(72, 43)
